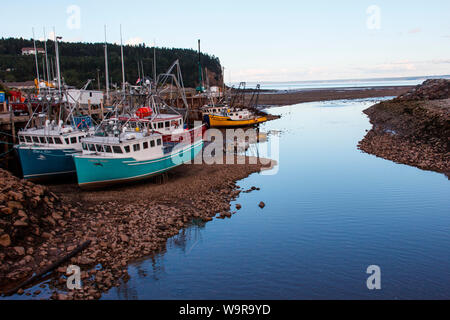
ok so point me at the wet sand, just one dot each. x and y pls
(311, 95)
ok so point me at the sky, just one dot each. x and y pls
(279, 40)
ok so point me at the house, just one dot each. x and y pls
(85, 97)
(30, 51)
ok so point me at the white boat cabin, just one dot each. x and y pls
(213, 110)
(56, 138)
(162, 123)
(137, 145)
(239, 114)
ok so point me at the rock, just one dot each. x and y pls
(238, 207)
(5, 240)
(7, 211)
(20, 251)
(124, 238)
(57, 216)
(46, 235)
(14, 205)
(20, 223)
(262, 205)
(22, 214)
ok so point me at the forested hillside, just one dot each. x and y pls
(83, 61)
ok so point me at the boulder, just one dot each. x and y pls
(5, 240)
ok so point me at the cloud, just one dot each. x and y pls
(50, 36)
(415, 30)
(395, 68)
(134, 41)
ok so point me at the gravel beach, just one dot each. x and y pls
(413, 129)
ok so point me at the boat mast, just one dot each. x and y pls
(46, 56)
(200, 88)
(36, 60)
(154, 61)
(123, 65)
(106, 68)
(58, 70)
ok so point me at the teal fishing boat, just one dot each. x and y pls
(46, 152)
(113, 156)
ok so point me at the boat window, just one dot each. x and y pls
(127, 149)
(91, 147)
(136, 147)
(73, 140)
(21, 139)
(145, 145)
(152, 143)
(79, 138)
(99, 148)
(160, 125)
(158, 142)
(117, 149)
(28, 139)
(50, 140)
(35, 140)
(58, 140)
(84, 146)
(41, 139)
(180, 121)
(107, 149)
(167, 125)
(67, 141)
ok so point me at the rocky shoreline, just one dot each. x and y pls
(413, 129)
(39, 224)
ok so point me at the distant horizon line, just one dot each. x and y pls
(352, 79)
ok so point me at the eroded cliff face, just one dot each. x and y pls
(413, 129)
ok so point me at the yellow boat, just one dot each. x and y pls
(233, 118)
(224, 121)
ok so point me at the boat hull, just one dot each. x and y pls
(221, 121)
(44, 163)
(98, 172)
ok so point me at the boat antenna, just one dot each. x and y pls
(106, 68)
(36, 60)
(123, 63)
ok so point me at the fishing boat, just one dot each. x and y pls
(117, 153)
(53, 134)
(46, 151)
(232, 117)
